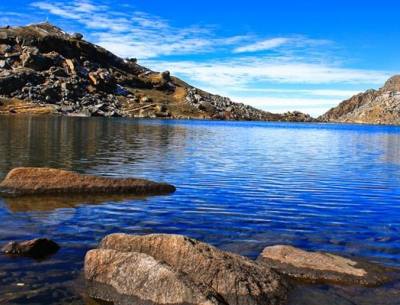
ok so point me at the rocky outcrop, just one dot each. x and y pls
(319, 267)
(37, 248)
(223, 108)
(229, 278)
(42, 65)
(44, 181)
(372, 107)
(141, 276)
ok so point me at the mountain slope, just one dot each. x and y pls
(45, 70)
(373, 106)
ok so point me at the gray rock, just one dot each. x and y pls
(5, 48)
(77, 36)
(4, 64)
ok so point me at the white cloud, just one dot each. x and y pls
(312, 106)
(246, 71)
(313, 92)
(263, 45)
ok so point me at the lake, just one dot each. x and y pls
(240, 186)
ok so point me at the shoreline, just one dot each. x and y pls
(339, 123)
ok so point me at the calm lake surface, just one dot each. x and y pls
(240, 186)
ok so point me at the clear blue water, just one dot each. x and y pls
(240, 186)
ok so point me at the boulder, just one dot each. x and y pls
(71, 66)
(140, 276)
(36, 248)
(31, 58)
(103, 80)
(77, 36)
(166, 75)
(320, 267)
(207, 107)
(40, 181)
(5, 48)
(238, 280)
(4, 64)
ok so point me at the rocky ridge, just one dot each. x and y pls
(372, 107)
(44, 70)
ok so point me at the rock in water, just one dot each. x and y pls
(43, 181)
(319, 267)
(36, 248)
(238, 280)
(141, 276)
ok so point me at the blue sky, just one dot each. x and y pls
(275, 55)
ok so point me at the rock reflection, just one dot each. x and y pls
(51, 203)
(82, 144)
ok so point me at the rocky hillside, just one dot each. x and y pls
(44, 70)
(373, 106)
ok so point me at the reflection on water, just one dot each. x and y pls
(240, 186)
(48, 203)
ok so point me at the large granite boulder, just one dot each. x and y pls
(236, 279)
(40, 181)
(37, 248)
(320, 267)
(138, 275)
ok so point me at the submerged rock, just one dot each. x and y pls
(319, 267)
(36, 248)
(41, 181)
(141, 276)
(236, 279)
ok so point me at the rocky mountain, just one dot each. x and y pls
(44, 70)
(373, 106)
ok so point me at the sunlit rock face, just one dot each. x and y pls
(373, 106)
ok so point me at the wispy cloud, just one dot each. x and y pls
(263, 45)
(336, 93)
(249, 70)
(138, 34)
